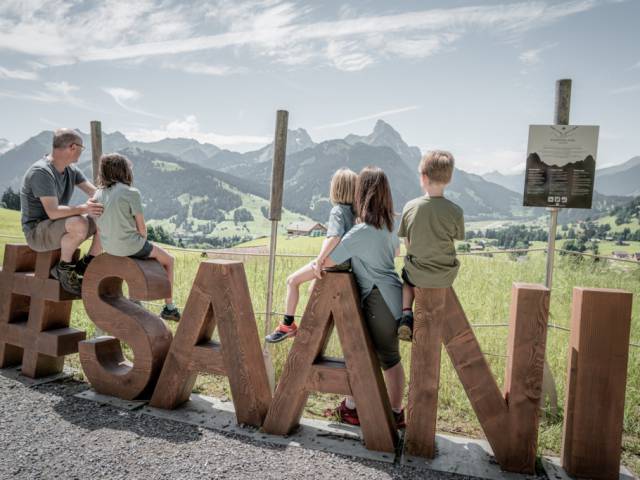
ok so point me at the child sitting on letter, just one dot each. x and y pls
(341, 219)
(429, 225)
(121, 226)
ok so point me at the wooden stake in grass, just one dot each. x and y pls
(275, 214)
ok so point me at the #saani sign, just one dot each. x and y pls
(561, 166)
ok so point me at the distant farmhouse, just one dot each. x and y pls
(308, 229)
(621, 254)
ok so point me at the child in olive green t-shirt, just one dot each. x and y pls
(429, 225)
(121, 226)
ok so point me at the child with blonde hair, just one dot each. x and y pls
(341, 219)
(430, 226)
(121, 226)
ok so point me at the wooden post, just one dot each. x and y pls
(96, 148)
(597, 376)
(149, 338)
(334, 299)
(219, 296)
(509, 421)
(275, 214)
(34, 313)
(561, 117)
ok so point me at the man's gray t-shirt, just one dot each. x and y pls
(341, 220)
(372, 253)
(43, 180)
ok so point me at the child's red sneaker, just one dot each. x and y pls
(282, 332)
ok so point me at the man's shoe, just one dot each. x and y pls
(170, 313)
(82, 264)
(282, 333)
(346, 414)
(68, 279)
(405, 328)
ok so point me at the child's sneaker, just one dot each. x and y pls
(399, 419)
(282, 332)
(170, 313)
(405, 328)
(346, 414)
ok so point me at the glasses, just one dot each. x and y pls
(81, 147)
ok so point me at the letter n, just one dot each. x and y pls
(334, 300)
(219, 296)
(148, 336)
(510, 422)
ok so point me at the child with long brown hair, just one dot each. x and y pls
(372, 245)
(341, 219)
(121, 226)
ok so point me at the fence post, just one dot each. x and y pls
(275, 214)
(561, 117)
(96, 153)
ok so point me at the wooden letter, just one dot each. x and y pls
(219, 296)
(510, 422)
(594, 406)
(147, 335)
(334, 300)
(34, 313)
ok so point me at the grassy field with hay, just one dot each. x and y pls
(484, 288)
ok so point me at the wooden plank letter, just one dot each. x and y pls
(149, 338)
(509, 421)
(34, 313)
(334, 300)
(594, 405)
(219, 296)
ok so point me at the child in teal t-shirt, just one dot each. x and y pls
(121, 226)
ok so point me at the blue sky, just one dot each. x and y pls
(469, 76)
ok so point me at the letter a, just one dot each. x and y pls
(220, 295)
(334, 299)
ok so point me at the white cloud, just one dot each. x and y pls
(56, 31)
(52, 92)
(189, 127)
(481, 161)
(627, 89)
(533, 56)
(122, 96)
(371, 116)
(197, 68)
(17, 74)
(347, 56)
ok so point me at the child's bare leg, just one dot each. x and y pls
(294, 280)
(407, 297)
(167, 261)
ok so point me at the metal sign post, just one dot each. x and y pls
(96, 153)
(275, 215)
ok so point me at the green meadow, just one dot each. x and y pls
(484, 288)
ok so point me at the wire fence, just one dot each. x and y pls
(481, 253)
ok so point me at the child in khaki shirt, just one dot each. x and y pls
(429, 225)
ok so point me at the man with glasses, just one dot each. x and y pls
(48, 222)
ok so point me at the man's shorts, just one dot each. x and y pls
(144, 252)
(405, 278)
(48, 234)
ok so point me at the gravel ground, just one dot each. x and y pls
(47, 433)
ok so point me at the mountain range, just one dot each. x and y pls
(180, 178)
